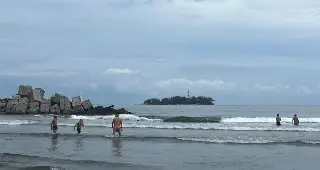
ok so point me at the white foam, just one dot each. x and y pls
(86, 124)
(122, 116)
(236, 141)
(266, 120)
(242, 141)
(312, 142)
(17, 122)
(206, 126)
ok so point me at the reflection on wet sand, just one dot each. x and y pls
(54, 142)
(79, 143)
(117, 146)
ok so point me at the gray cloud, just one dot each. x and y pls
(152, 48)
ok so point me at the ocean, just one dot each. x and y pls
(166, 138)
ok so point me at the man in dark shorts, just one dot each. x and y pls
(54, 124)
(278, 120)
(78, 125)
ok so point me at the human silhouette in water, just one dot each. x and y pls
(78, 125)
(54, 124)
(295, 120)
(278, 120)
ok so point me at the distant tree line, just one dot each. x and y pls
(179, 100)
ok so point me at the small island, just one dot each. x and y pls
(180, 100)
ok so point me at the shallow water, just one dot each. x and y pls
(157, 137)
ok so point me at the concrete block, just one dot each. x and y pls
(33, 104)
(56, 98)
(12, 102)
(45, 107)
(36, 95)
(21, 108)
(3, 102)
(78, 109)
(25, 90)
(55, 109)
(86, 104)
(76, 101)
(64, 103)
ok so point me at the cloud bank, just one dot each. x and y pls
(237, 51)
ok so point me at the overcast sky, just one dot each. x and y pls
(125, 51)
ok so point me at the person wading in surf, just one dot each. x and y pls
(278, 120)
(78, 125)
(54, 124)
(295, 120)
(117, 125)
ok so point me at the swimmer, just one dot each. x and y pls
(295, 120)
(54, 124)
(117, 125)
(79, 125)
(278, 120)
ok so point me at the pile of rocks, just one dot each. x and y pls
(32, 101)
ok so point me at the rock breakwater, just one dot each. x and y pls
(31, 100)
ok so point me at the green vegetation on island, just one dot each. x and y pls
(181, 100)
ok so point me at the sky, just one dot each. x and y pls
(125, 51)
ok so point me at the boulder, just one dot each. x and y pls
(11, 105)
(36, 95)
(78, 109)
(45, 101)
(55, 99)
(34, 107)
(12, 102)
(16, 96)
(86, 104)
(121, 111)
(3, 105)
(24, 100)
(76, 101)
(21, 108)
(41, 91)
(64, 103)
(45, 106)
(33, 104)
(55, 109)
(100, 110)
(22, 105)
(25, 91)
(3, 102)
(67, 111)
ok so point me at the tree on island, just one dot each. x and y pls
(179, 100)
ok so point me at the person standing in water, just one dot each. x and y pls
(295, 120)
(278, 120)
(54, 124)
(117, 125)
(78, 125)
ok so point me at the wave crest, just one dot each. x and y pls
(17, 122)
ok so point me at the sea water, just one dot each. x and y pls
(166, 137)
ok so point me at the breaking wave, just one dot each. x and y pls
(209, 119)
(213, 140)
(249, 141)
(17, 122)
(266, 120)
(182, 122)
(122, 116)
